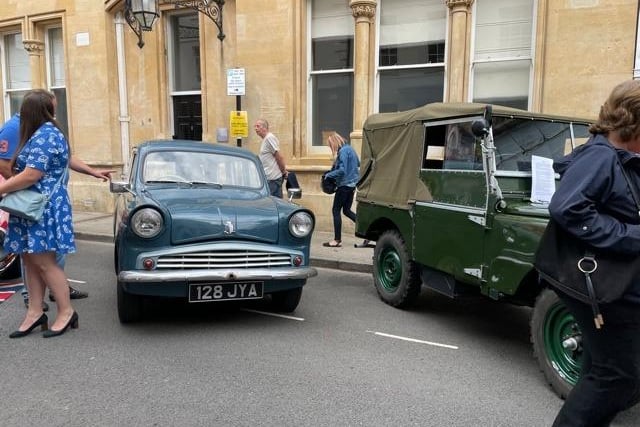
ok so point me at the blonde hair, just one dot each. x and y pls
(335, 141)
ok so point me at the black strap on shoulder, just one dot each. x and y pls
(632, 186)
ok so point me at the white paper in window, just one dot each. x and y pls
(543, 181)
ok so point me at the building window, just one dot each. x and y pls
(185, 76)
(16, 72)
(331, 70)
(54, 49)
(411, 53)
(502, 59)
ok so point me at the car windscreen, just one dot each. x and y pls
(196, 167)
(517, 139)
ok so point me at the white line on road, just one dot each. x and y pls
(266, 313)
(382, 334)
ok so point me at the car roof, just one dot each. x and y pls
(394, 142)
(449, 110)
(190, 145)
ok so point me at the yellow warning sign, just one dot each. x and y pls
(239, 124)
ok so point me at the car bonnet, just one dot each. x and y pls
(199, 215)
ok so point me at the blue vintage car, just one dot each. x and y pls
(195, 221)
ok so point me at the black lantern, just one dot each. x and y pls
(140, 15)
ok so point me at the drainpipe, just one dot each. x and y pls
(123, 117)
(636, 65)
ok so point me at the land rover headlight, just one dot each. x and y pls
(147, 223)
(300, 224)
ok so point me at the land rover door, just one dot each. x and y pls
(449, 229)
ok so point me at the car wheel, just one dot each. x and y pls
(286, 301)
(10, 267)
(396, 277)
(557, 342)
(129, 306)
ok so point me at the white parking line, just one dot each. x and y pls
(266, 313)
(382, 334)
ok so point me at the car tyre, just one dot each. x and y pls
(556, 340)
(129, 306)
(10, 267)
(286, 301)
(396, 277)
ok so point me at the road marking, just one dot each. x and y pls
(266, 313)
(5, 295)
(382, 334)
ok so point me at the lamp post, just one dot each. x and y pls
(140, 15)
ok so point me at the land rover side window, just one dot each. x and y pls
(516, 140)
(452, 147)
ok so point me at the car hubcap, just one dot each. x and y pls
(389, 269)
(563, 343)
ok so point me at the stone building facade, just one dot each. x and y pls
(310, 67)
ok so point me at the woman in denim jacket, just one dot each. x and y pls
(346, 173)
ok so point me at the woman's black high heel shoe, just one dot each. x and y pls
(73, 323)
(42, 321)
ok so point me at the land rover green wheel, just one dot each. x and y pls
(557, 342)
(396, 277)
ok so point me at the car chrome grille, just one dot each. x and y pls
(223, 259)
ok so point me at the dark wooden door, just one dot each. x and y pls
(187, 113)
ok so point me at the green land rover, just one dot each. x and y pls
(445, 191)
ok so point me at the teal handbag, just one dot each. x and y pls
(28, 204)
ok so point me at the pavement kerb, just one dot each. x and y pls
(81, 235)
(340, 265)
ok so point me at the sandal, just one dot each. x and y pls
(330, 245)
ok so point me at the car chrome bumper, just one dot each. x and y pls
(217, 275)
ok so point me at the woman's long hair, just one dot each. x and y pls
(335, 141)
(38, 107)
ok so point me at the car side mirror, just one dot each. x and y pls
(480, 128)
(118, 187)
(294, 193)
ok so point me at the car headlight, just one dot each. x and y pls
(147, 223)
(300, 224)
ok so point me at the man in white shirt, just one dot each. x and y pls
(272, 160)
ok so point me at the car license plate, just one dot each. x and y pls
(204, 292)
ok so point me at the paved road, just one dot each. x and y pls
(343, 358)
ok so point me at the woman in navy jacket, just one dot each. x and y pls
(594, 204)
(345, 171)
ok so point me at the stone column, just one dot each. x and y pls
(35, 49)
(459, 39)
(364, 12)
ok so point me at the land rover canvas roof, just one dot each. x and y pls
(393, 144)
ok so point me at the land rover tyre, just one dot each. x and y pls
(286, 301)
(396, 277)
(129, 306)
(557, 342)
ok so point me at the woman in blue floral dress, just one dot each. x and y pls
(41, 164)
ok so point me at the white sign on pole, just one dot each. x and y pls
(235, 81)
